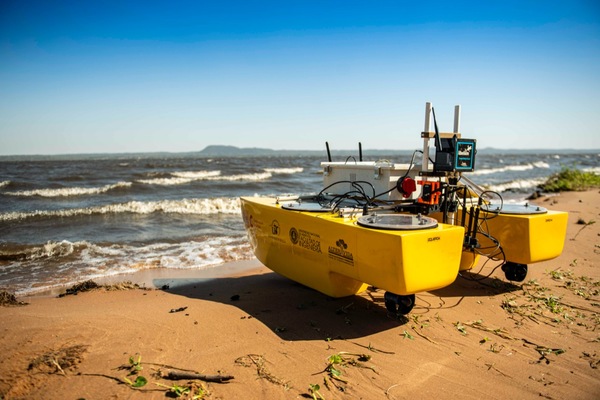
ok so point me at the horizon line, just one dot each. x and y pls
(241, 149)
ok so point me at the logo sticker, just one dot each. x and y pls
(340, 252)
(275, 227)
(294, 235)
(308, 240)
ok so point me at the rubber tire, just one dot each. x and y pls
(399, 305)
(515, 272)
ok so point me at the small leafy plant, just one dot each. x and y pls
(314, 392)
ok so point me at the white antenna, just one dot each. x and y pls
(457, 118)
(426, 129)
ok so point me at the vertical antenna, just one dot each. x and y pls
(328, 152)
(457, 118)
(359, 151)
(425, 162)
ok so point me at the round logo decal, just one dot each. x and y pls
(294, 235)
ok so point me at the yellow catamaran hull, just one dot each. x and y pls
(527, 238)
(336, 256)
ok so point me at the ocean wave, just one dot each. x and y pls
(520, 184)
(259, 176)
(69, 191)
(594, 170)
(541, 165)
(66, 263)
(48, 250)
(288, 171)
(180, 178)
(508, 168)
(185, 206)
(4, 183)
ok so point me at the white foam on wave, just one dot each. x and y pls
(4, 183)
(66, 263)
(185, 206)
(51, 250)
(513, 168)
(69, 191)
(594, 170)
(521, 184)
(288, 171)
(541, 165)
(181, 178)
(255, 177)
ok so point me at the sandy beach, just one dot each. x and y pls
(266, 337)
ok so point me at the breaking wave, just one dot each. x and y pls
(259, 176)
(69, 191)
(511, 168)
(83, 260)
(284, 170)
(185, 206)
(180, 178)
(520, 185)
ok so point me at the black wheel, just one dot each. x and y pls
(514, 272)
(397, 304)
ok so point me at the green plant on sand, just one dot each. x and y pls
(570, 179)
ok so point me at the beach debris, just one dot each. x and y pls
(259, 361)
(343, 359)
(125, 285)
(183, 374)
(491, 366)
(419, 329)
(235, 297)
(85, 286)
(89, 285)
(543, 350)
(59, 361)
(370, 347)
(460, 327)
(134, 366)
(501, 332)
(176, 310)
(585, 224)
(592, 359)
(9, 299)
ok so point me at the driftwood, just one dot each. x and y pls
(176, 375)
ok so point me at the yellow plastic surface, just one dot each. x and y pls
(337, 257)
(526, 239)
(468, 260)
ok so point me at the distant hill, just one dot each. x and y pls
(233, 151)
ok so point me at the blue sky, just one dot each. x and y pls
(142, 76)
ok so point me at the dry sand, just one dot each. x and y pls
(488, 339)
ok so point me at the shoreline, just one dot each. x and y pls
(157, 278)
(480, 337)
